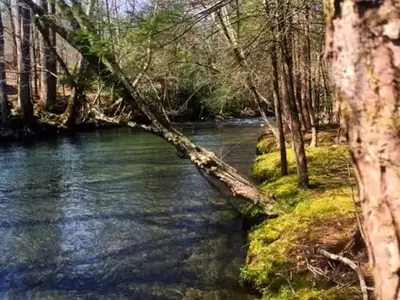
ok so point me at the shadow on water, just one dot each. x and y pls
(115, 214)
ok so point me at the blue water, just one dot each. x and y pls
(115, 214)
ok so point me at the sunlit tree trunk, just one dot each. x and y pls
(298, 83)
(363, 46)
(35, 56)
(307, 88)
(276, 91)
(287, 54)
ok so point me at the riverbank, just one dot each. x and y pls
(283, 261)
(44, 128)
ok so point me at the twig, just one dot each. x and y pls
(351, 264)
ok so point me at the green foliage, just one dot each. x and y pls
(90, 43)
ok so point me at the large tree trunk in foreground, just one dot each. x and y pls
(202, 158)
(363, 45)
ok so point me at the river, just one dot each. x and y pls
(115, 214)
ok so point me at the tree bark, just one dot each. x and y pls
(276, 92)
(297, 78)
(24, 90)
(48, 64)
(308, 98)
(15, 9)
(363, 47)
(4, 109)
(287, 54)
(13, 33)
(35, 56)
(52, 79)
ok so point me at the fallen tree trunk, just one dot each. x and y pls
(201, 157)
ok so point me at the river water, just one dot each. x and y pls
(115, 214)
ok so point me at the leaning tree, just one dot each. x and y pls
(105, 63)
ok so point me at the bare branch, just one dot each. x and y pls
(351, 264)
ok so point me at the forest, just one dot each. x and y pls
(323, 77)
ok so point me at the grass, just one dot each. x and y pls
(281, 261)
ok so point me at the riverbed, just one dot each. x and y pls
(116, 214)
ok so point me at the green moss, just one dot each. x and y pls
(271, 265)
(322, 161)
(267, 166)
(266, 145)
(312, 294)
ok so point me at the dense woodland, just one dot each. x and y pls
(150, 64)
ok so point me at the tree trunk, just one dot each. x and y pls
(76, 102)
(299, 100)
(308, 98)
(13, 34)
(276, 93)
(48, 63)
(279, 125)
(16, 20)
(52, 78)
(24, 90)
(298, 75)
(285, 107)
(35, 56)
(4, 109)
(363, 46)
(298, 143)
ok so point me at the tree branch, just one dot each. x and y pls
(351, 264)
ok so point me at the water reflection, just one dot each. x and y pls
(116, 215)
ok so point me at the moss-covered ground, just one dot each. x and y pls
(282, 260)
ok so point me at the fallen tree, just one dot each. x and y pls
(110, 70)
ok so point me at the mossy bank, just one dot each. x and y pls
(282, 260)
